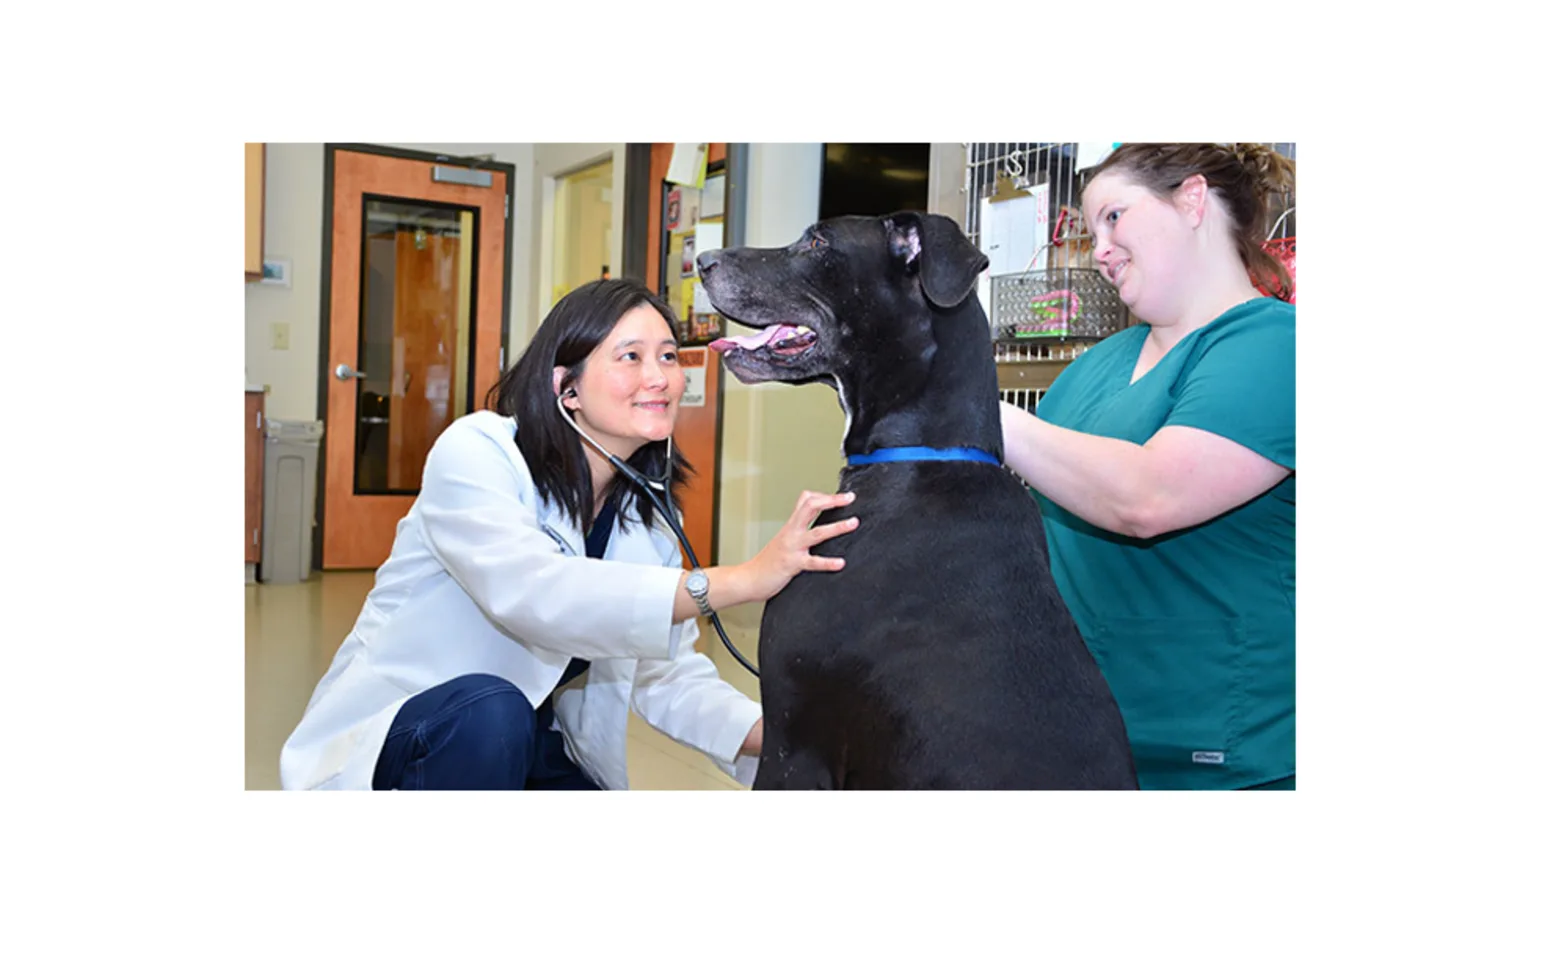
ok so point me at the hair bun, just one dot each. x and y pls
(1272, 172)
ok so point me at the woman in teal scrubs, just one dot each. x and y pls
(1164, 462)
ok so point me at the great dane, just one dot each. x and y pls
(942, 656)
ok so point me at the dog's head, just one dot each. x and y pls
(853, 298)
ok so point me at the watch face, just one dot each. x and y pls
(696, 582)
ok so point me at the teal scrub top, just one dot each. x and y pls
(1194, 629)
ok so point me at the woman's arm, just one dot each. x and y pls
(763, 576)
(751, 745)
(1181, 477)
(473, 518)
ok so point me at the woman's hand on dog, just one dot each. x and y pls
(751, 745)
(788, 554)
(759, 579)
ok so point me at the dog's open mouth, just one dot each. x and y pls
(780, 341)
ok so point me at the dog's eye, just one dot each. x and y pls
(817, 243)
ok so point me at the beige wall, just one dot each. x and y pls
(947, 181)
(294, 188)
(552, 162)
(777, 439)
(583, 225)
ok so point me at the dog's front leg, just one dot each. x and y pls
(784, 765)
(796, 770)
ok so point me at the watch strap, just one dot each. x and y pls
(699, 596)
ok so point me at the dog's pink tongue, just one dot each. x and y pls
(752, 342)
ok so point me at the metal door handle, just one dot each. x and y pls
(345, 372)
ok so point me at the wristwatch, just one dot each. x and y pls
(697, 584)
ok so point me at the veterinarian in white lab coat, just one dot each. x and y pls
(533, 597)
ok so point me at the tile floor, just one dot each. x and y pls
(291, 632)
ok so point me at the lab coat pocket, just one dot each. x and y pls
(1177, 684)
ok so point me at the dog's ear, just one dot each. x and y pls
(946, 262)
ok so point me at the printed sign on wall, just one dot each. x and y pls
(693, 360)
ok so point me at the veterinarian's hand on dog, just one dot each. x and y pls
(751, 745)
(788, 554)
(762, 577)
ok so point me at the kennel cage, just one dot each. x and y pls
(1042, 289)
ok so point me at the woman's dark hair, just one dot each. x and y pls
(579, 322)
(1244, 175)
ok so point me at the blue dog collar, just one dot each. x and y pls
(900, 454)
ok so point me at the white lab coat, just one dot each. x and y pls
(478, 583)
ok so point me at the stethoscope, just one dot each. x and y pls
(657, 491)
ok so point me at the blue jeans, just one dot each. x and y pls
(476, 732)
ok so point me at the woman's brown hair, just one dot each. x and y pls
(1244, 175)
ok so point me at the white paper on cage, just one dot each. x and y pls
(982, 295)
(1014, 235)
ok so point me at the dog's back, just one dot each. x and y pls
(942, 655)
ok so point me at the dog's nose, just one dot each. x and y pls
(707, 262)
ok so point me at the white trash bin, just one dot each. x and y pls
(288, 499)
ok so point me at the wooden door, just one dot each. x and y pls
(583, 218)
(415, 324)
(254, 209)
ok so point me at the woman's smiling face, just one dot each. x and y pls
(1141, 243)
(629, 389)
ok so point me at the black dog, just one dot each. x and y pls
(942, 656)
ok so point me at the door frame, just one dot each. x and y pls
(323, 382)
(548, 185)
